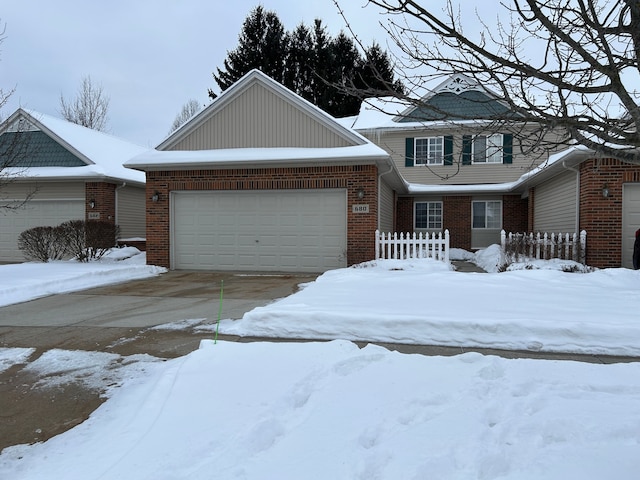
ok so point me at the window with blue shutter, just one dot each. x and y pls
(507, 148)
(466, 149)
(448, 150)
(408, 157)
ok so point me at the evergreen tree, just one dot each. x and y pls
(375, 74)
(262, 45)
(327, 71)
(299, 76)
(345, 60)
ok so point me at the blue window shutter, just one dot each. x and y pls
(466, 149)
(409, 152)
(448, 150)
(507, 148)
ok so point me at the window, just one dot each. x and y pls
(429, 151)
(487, 148)
(428, 215)
(487, 214)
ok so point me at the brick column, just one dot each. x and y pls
(104, 197)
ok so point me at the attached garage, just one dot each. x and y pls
(303, 231)
(262, 180)
(35, 213)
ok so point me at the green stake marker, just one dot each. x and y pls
(219, 311)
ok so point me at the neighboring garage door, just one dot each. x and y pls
(630, 221)
(36, 213)
(285, 231)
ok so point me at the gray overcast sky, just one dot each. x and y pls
(150, 56)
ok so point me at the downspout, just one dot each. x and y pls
(573, 169)
(124, 184)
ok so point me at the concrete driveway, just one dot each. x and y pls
(170, 297)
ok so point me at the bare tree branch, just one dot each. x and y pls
(189, 109)
(13, 149)
(568, 67)
(89, 108)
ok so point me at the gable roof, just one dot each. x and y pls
(358, 150)
(458, 99)
(79, 152)
(247, 82)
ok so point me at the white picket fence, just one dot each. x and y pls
(401, 246)
(544, 246)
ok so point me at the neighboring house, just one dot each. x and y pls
(576, 190)
(73, 173)
(262, 180)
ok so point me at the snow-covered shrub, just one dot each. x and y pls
(43, 243)
(100, 237)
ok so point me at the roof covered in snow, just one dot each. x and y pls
(101, 155)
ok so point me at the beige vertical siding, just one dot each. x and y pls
(258, 118)
(43, 191)
(130, 212)
(556, 204)
(456, 174)
(386, 207)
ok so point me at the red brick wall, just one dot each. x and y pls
(360, 226)
(514, 213)
(456, 213)
(602, 217)
(104, 195)
(404, 215)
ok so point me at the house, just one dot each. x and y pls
(262, 180)
(71, 172)
(466, 177)
(578, 190)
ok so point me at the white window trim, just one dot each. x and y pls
(428, 162)
(415, 216)
(499, 152)
(485, 214)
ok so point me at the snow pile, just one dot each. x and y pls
(426, 302)
(26, 281)
(331, 410)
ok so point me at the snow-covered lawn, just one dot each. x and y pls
(22, 282)
(329, 410)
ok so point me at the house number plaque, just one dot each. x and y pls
(360, 208)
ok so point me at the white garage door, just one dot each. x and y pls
(296, 231)
(36, 213)
(630, 220)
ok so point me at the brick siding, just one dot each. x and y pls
(404, 215)
(104, 195)
(515, 213)
(602, 217)
(456, 213)
(360, 226)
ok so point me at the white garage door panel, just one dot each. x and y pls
(259, 231)
(36, 213)
(630, 221)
